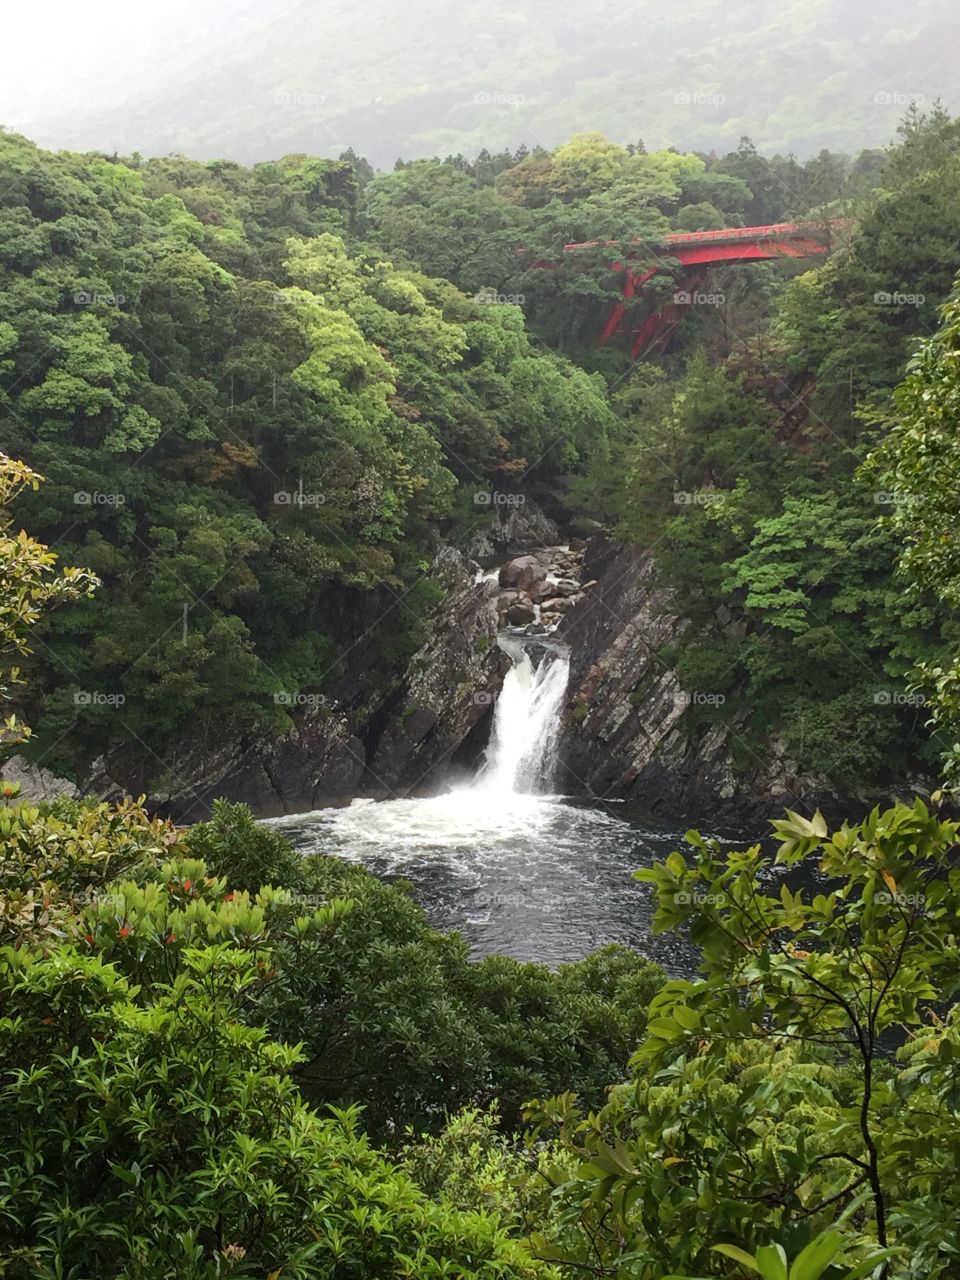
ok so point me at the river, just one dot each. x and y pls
(518, 868)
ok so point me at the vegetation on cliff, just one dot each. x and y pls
(737, 457)
(251, 426)
(257, 401)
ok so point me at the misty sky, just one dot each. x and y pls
(423, 77)
(64, 51)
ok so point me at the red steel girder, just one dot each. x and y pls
(695, 250)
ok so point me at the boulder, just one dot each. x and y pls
(519, 614)
(524, 573)
(505, 601)
(541, 591)
(565, 587)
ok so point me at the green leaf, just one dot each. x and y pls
(737, 1254)
(772, 1262)
(869, 1265)
(812, 1261)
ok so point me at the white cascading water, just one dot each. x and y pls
(511, 790)
(521, 757)
(521, 869)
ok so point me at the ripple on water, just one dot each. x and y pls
(537, 877)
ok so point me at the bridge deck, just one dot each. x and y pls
(728, 235)
(697, 250)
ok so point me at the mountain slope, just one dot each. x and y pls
(249, 80)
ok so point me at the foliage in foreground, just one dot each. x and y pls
(919, 461)
(151, 1134)
(31, 587)
(798, 1099)
(812, 1067)
(154, 1118)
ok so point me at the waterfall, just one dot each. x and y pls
(522, 755)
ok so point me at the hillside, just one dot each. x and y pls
(251, 81)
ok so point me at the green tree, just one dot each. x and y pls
(766, 1098)
(31, 586)
(919, 464)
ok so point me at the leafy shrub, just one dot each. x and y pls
(54, 857)
(472, 1163)
(766, 1103)
(162, 1138)
(246, 852)
(396, 1016)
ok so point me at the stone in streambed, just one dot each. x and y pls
(505, 602)
(541, 591)
(524, 572)
(519, 614)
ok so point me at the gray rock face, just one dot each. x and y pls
(35, 782)
(445, 696)
(629, 732)
(512, 529)
(371, 736)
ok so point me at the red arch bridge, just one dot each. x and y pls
(697, 251)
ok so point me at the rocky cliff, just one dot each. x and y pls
(630, 730)
(633, 732)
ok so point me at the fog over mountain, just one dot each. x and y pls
(253, 79)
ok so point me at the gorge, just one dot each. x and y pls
(479, 763)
